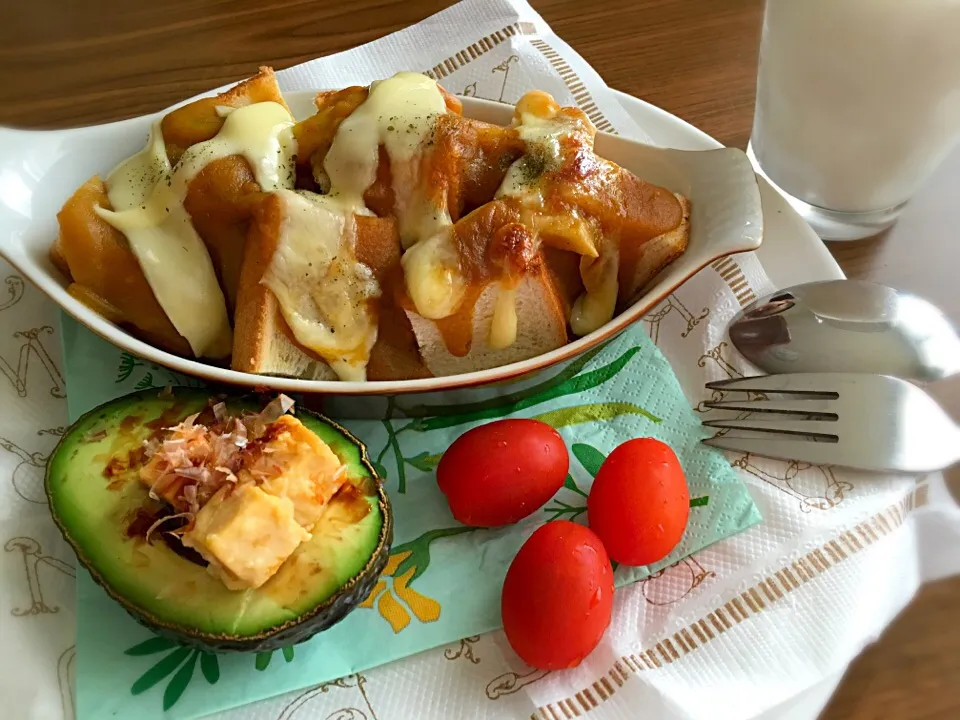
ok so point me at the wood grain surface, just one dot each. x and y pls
(65, 64)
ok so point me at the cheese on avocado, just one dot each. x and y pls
(246, 535)
(254, 519)
(311, 472)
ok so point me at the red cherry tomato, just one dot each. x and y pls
(557, 596)
(639, 502)
(499, 473)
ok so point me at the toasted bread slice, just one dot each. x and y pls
(218, 199)
(640, 263)
(264, 343)
(262, 340)
(396, 354)
(200, 120)
(545, 297)
(105, 273)
(564, 268)
(541, 327)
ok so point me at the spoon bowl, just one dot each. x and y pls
(847, 326)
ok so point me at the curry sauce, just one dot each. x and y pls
(391, 204)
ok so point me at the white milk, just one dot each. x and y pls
(857, 100)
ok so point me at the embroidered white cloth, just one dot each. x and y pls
(734, 632)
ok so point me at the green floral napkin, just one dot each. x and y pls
(443, 580)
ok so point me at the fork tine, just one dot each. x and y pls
(812, 407)
(816, 453)
(816, 428)
(810, 384)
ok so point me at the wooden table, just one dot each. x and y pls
(72, 63)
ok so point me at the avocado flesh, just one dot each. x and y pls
(94, 505)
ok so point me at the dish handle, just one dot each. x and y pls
(25, 157)
(40, 168)
(16, 144)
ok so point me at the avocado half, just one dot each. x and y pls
(96, 497)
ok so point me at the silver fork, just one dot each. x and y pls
(873, 422)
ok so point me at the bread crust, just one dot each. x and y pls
(263, 341)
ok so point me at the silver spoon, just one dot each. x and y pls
(847, 326)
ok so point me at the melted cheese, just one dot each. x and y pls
(596, 305)
(131, 182)
(503, 325)
(323, 291)
(325, 294)
(311, 474)
(147, 197)
(543, 153)
(399, 114)
(432, 275)
(564, 232)
(543, 129)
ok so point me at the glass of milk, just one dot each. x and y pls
(858, 101)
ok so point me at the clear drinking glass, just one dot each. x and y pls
(858, 101)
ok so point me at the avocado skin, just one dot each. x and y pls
(302, 628)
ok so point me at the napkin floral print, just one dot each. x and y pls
(179, 663)
(442, 580)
